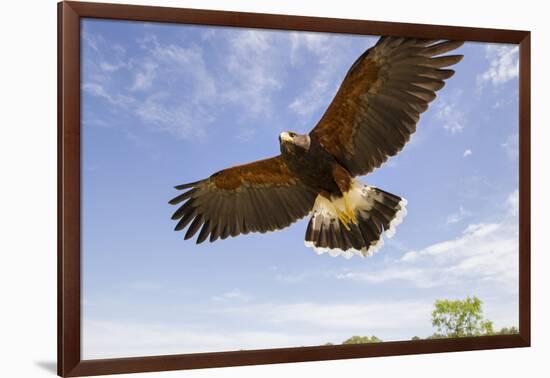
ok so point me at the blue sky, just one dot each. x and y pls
(168, 104)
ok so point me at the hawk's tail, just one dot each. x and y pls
(354, 223)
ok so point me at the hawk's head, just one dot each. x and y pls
(290, 141)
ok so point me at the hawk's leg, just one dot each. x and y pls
(345, 210)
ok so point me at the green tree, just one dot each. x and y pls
(507, 331)
(362, 340)
(459, 318)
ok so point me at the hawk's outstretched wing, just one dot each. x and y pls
(256, 197)
(379, 103)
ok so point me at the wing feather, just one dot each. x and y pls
(379, 103)
(257, 197)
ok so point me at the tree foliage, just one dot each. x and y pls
(452, 318)
(507, 331)
(362, 340)
(460, 318)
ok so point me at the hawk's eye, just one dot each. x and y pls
(292, 134)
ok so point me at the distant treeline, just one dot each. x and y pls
(451, 318)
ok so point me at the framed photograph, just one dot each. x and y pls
(239, 188)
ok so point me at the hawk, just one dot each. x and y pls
(370, 119)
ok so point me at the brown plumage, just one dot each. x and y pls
(376, 109)
(371, 118)
(256, 197)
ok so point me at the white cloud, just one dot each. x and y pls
(143, 286)
(292, 278)
(246, 134)
(475, 187)
(253, 72)
(467, 152)
(458, 216)
(328, 60)
(92, 40)
(143, 79)
(483, 252)
(511, 146)
(111, 67)
(116, 99)
(170, 91)
(111, 339)
(108, 58)
(503, 64)
(173, 89)
(208, 34)
(181, 120)
(323, 83)
(338, 316)
(245, 72)
(513, 203)
(401, 273)
(316, 43)
(450, 113)
(266, 325)
(232, 295)
(181, 65)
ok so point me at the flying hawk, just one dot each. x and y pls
(371, 118)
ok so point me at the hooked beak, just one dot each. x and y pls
(285, 137)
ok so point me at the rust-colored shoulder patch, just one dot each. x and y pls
(342, 178)
(335, 130)
(272, 171)
(226, 180)
(380, 100)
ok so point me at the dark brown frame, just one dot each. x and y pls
(69, 358)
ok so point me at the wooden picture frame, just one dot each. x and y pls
(70, 362)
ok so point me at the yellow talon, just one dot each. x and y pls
(344, 219)
(348, 215)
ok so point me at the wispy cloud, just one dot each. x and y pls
(269, 325)
(111, 67)
(401, 273)
(181, 120)
(108, 58)
(474, 186)
(232, 295)
(458, 216)
(328, 60)
(143, 79)
(143, 286)
(182, 68)
(511, 146)
(91, 40)
(337, 316)
(512, 203)
(107, 338)
(503, 65)
(117, 99)
(467, 152)
(184, 88)
(482, 252)
(323, 84)
(167, 88)
(450, 112)
(171, 87)
(253, 75)
(292, 278)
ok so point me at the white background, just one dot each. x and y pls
(28, 187)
